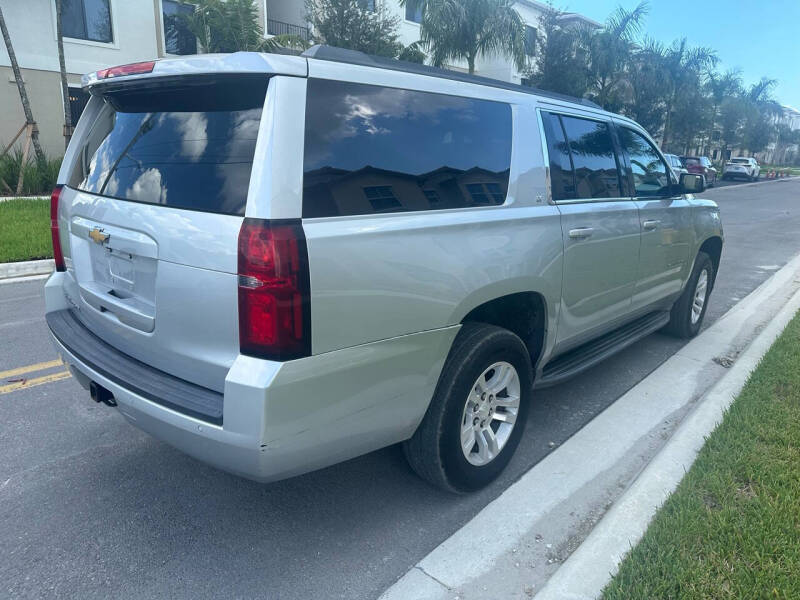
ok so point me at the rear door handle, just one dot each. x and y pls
(650, 225)
(581, 233)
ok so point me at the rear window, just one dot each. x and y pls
(741, 161)
(372, 149)
(691, 161)
(188, 145)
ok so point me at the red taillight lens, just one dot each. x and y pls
(58, 256)
(274, 304)
(122, 70)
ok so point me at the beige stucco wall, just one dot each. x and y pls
(44, 93)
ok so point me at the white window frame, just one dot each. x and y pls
(112, 7)
(408, 21)
(163, 31)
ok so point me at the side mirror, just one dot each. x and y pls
(692, 184)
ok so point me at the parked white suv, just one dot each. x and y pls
(276, 263)
(741, 167)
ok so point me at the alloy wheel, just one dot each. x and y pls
(490, 413)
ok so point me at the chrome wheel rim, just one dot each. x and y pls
(490, 413)
(699, 299)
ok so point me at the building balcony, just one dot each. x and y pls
(280, 28)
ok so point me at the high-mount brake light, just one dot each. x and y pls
(131, 69)
(274, 290)
(58, 255)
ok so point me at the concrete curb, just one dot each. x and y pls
(27, 268)
(6, 198)
(587, 571)
(515, 544)
(739, 186)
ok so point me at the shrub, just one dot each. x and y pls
(37, 177)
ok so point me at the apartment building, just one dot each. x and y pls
(103, 33)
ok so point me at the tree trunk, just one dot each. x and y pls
(64, 86)
(23, 94)
(668, 122)
(471, 63)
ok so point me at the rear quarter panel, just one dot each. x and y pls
(379, 276)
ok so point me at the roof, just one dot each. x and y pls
(354, 57)
(565, 16)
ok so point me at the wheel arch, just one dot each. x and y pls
(523, 313)
(713, 247)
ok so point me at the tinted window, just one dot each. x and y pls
(562, 177)
(177, 37)
(189, 147)
(650, 174)
(530, 41)
(593, 158)
(86, 20)
(374, 149)
(414, 11)
(78, 99)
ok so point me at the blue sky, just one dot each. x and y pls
(758, 37)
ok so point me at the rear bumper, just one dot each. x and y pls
(280, 419)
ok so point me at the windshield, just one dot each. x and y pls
(185, 147)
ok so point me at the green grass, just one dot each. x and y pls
(25, 230)
(791, 170)
(732, 528)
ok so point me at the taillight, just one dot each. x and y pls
(122, 70)
(58, 255)
(274, 304)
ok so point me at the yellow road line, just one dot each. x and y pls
(19, 385)
(30, 368)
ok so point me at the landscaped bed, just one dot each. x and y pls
(732, 528)
(25, 230)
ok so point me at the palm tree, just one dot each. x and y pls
(683, 67)
(64, 86)
(455, 30)
(225, 25)
(648, 89)
(721, 87)
(609, 52)
(23, 93)
(760, 110)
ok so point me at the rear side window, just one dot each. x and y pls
(562, 175)
(583, 162)
(188, 145)
(593, 157)
(372, 149)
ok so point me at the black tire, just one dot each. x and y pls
(680, 318)
(434, 451)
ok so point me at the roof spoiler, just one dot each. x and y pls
(200, 64)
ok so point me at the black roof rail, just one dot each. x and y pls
(354, 57)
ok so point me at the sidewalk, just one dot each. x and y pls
(517, 542)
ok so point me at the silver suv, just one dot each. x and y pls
(276, 263)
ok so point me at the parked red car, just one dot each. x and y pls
(702, 166)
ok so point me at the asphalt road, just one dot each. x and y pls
(92, 508)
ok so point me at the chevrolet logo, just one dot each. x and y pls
(98, 236)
